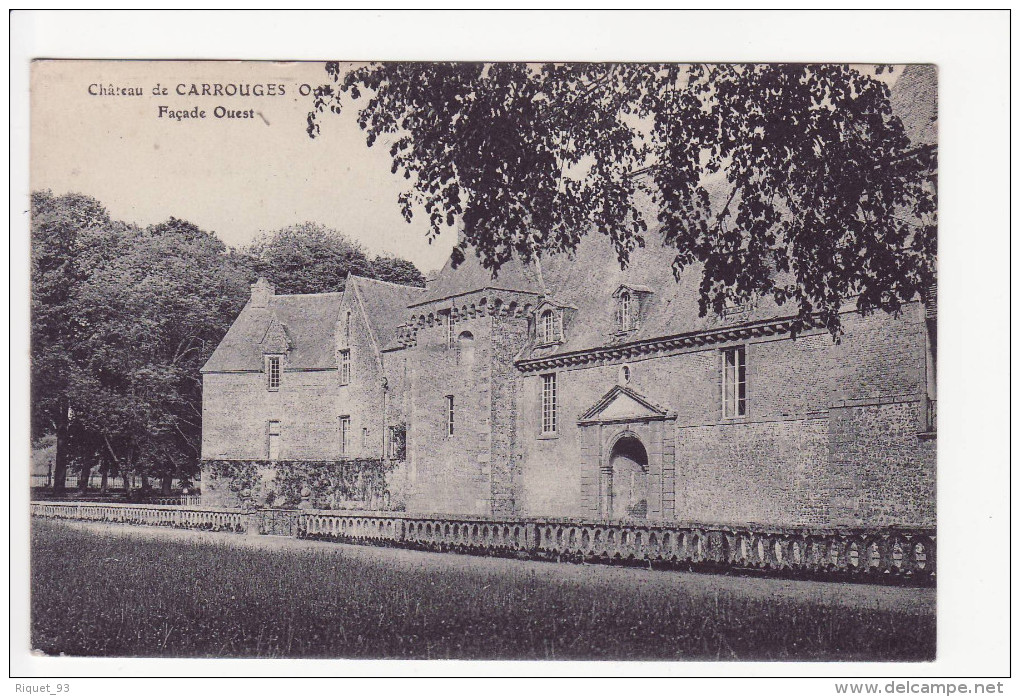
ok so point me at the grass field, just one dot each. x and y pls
(131, 592)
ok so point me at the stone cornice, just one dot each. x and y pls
(656, 345)
(250, 371)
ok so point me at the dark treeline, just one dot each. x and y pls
(123, 318)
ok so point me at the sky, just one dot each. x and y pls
(235, 177)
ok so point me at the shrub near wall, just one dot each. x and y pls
(358, 483)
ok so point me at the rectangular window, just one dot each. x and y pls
(273, 372)
(734, 383)
(345, 436)
(364, 438)
(396, 443)
(549, 403)
(344, 359)
(451, 330)
(273, 435)
(449, 414)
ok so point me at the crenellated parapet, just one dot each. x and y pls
(488, 302)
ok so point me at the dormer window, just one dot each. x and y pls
(550, 320)
(631, 302)
(626, 318)
(549, 328)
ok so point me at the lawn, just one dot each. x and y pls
(115, 593)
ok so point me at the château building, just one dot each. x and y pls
(573, 388)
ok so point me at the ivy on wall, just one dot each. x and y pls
(330, 484)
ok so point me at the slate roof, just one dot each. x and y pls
(588, 278)
(914, 98)
(584, 280)
(471, 276)
(385, 305)
(309, 321)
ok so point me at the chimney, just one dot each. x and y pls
(261, 291)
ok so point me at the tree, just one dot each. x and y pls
(397, 270)
(307, 258)
(791, 181)
(156, 312)
(312, 258)
(122, 321)
(70, 237)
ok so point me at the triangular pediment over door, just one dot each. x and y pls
(622, 404)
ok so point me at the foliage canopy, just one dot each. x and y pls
(791, 181)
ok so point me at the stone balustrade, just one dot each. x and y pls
(225, 520)
(878, 555)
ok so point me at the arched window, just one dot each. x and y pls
(466, 348)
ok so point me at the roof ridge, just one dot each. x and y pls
(389, 283)
(368, 324)
(307, 295)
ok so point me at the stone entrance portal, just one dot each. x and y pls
(627, 458)
(626, 480)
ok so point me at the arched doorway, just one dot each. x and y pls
(624, 481)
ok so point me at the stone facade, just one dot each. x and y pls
(831, 433)
(332, 379)
(473, 468)
(574, 387)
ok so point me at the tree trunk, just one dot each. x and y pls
(165, 484)
(104, 470)
(60, 460)
(130, 469)
(83, 477)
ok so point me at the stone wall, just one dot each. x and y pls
(751, 472)
(509, 334)
(237, 407)
(451, 474)
(476, 469)
(831, 434)
(362, 398)
(880, 470)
